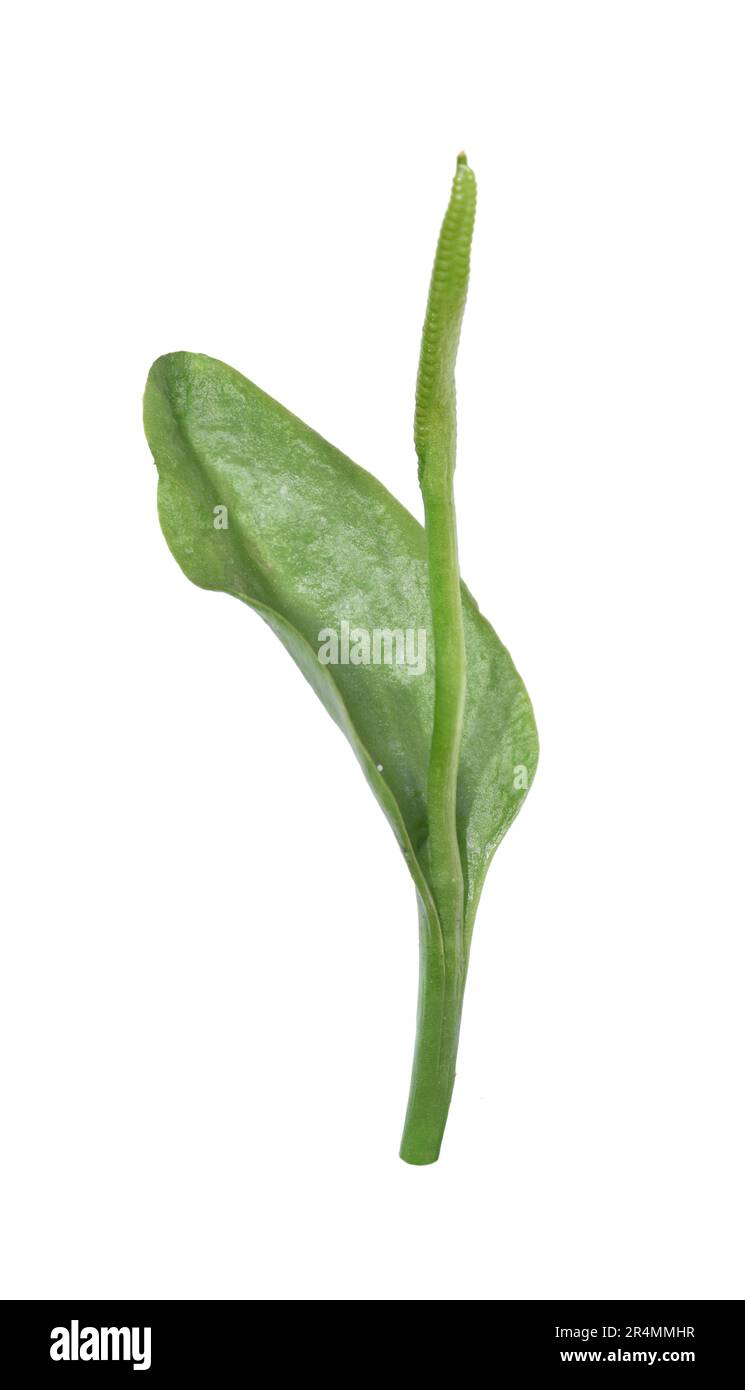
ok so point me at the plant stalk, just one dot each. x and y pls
(441, 984)
(442, 973)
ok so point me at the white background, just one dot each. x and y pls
(208, 976)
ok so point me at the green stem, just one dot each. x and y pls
(442, 973)
(441, 984)
(450, 695)
(442, 952)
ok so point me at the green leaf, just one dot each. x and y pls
(312, 541)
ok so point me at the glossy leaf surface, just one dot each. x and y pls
(313, 541)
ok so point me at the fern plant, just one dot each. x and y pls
(256, 504)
